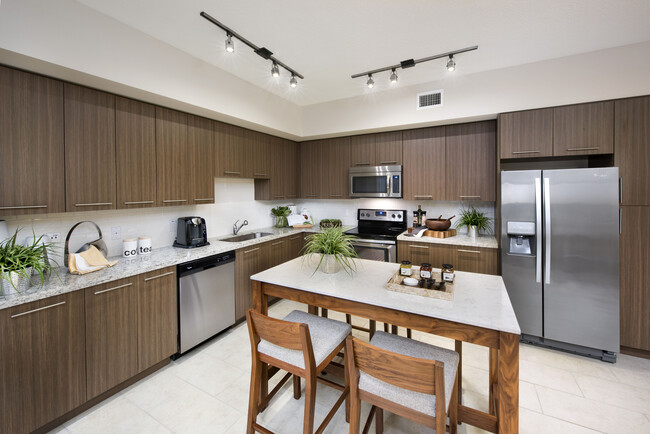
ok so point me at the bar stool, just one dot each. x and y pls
(301, 344)
(406, 377)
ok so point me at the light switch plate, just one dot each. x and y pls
(172, 226)
(116, 233)
(54, 236)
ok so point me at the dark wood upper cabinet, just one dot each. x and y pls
(632, 149)
(111, 334)
(31, 144)
(583, 129)
(471, 161)
(43, 361)
(291, 152)
(283, 168)
(311, 169)
(200, 135)
(234, 152)
(335, 168)
(526, 134)
(157, 317)
(424, 171)
(135, 153)
(174, 158)
(89, 149)
(383, 149)
(261, 153)
(635, 277)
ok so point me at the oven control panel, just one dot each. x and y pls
(382, 215)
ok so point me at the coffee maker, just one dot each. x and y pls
(191, 232)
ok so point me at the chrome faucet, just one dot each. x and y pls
(236, 229)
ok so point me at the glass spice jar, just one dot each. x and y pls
(447, 273)
(425, 270)
(406, 268)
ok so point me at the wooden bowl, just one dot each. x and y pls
(437, 225)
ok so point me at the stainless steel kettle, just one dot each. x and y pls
(98, 243)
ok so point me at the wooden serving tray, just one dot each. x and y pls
(303, 226)
(395, 284)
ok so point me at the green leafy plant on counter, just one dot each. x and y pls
(334, 242)
(472, 217)
(18, 261)
(329, 223)
(280, 213)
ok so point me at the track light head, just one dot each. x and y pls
(275, 70)
(370, 82)
(451, 64)
(230, 46)
(293, 82)
(393, 76)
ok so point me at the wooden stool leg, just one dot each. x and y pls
(453, 409)
(409, 333)
(385, 328)
(494, 367)
(323, 312)
(348, 318)
(372, 325)
(253, 399)
(310, 405)
(379, 421)
(296, 387)
(312, 309)
(394, 329)
(459, 380)
(355, 414)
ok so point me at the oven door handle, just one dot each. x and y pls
(377, 244)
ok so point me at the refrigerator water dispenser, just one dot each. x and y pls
(521, 238)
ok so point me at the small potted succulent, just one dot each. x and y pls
(19, 262)
(474, 221)
(335, 249)
(329, 223)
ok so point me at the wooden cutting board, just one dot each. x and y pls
(440, 234)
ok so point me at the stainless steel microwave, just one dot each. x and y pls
(376, 181)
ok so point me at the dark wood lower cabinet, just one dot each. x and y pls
(42, 367)
(157, 317)
(111, 335)
(463, 258)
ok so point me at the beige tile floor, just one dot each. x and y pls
(207, 391)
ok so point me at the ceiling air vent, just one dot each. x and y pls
(429, 99)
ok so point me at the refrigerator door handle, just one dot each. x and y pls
(547, 230)
(538, 229)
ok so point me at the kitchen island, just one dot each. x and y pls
(480, 313)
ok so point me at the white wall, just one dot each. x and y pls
(67, 40)
(606, 74)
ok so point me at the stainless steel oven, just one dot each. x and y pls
(376, 250)
(376, 181)
(377, 233)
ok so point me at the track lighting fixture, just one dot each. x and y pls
(260, 51)
(393, 76)
(410, 63)
(230, 47)
(451, 64)
(370, 82)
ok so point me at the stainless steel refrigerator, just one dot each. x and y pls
(559, 257)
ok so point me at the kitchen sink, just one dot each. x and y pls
(247, 237)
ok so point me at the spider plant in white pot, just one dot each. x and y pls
(474, 221)
(19, 262)
(335, 249)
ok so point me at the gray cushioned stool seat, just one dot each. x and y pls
(417, 401)
(326, 334)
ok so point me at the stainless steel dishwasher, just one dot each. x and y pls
(206, 299)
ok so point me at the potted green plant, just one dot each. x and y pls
(328, 223)
(474, 220)
(18, 263)
(335, 249)
(280, 213)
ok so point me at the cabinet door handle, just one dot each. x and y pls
(469, 251)
(140, 202)
(23, 207)
(113, 289)
(228, 172)
(260, 174)
(336, 195)
(620, 220)
(620, 190)
(174, 200)
(252, 250)
(295, 238)
(526, 152)
(158, 276)
(39, 309)
(381, 163)
(207, 199)
(419, 247)
(291, 195)
(278, 197)
(362, 164)
(94, 204)
(469, 197)
(423, 196)
(583, 149)
(311, 195)
(279, 242)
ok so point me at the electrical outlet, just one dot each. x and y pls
(116, 233)
(54, 236)
(172, 226)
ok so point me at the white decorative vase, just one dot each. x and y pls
(472, 232)
(330, 265)
(20, 284)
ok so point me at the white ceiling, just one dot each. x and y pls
(327, 41)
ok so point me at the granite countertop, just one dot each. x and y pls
(479, 299)
(63, 282)
(486, 241)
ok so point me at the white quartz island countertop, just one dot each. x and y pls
(479, 299)
(462, 239)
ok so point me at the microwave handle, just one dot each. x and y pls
(389, 185)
